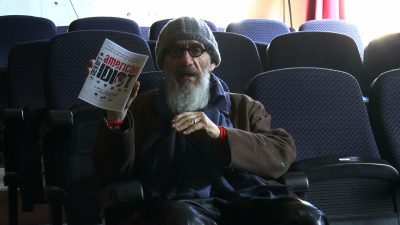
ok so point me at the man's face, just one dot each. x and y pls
(187, 68)
(187, 61)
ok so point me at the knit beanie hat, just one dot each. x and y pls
(186, 28)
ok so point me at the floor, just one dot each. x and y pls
(39, 216)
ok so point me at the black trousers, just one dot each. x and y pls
(283, 211)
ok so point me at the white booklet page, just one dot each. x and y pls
(110, 82)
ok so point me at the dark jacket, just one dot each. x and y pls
(254, 147)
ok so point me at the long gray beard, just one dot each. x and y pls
(187, 97)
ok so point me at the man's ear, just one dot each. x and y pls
(212, 66)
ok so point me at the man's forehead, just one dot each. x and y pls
(188, 42)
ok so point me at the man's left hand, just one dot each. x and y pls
(189, 122)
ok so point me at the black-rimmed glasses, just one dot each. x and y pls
(177, 51)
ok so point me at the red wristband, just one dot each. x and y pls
(114, 123)
(222, 133)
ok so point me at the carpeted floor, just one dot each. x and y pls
(39, 216)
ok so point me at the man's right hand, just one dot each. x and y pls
(114, 115)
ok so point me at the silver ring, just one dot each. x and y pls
(194, 121)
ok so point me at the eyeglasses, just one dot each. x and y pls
(177, 51)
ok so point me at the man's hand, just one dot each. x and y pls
(189, 122)
(114, 115)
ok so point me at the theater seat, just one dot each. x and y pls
(324, 112)
(385, 114)
(72, 124)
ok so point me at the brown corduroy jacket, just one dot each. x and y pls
(254, 146)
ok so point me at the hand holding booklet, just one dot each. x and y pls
(110, 82)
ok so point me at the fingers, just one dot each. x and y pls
(121, 115)
(89, 66)
(91, 62)
(135, 89)
(190, 122)
(185, 120)
(188, 126)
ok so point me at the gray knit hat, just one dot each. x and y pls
(186, 28)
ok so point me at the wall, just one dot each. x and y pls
(279, 10)
(222, 12)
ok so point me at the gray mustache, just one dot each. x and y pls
(189, 70)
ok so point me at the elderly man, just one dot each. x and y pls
(203, 155)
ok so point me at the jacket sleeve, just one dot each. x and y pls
(254, 146)
(112, 151)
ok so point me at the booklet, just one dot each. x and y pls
(110, 82)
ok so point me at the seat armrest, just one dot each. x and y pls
(13, 115)
(61, 118)
(297, 180)
(126, 192)
(11, 179)
(78, 114)
(120, 199)
(329, 168)
(55, 195)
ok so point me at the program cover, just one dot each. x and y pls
(110, 82)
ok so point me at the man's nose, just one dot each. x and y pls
(186, 57)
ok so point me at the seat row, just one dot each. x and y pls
(332, 44)
(47, 128)
(337, 148)
(320, 107)
(340, 166)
